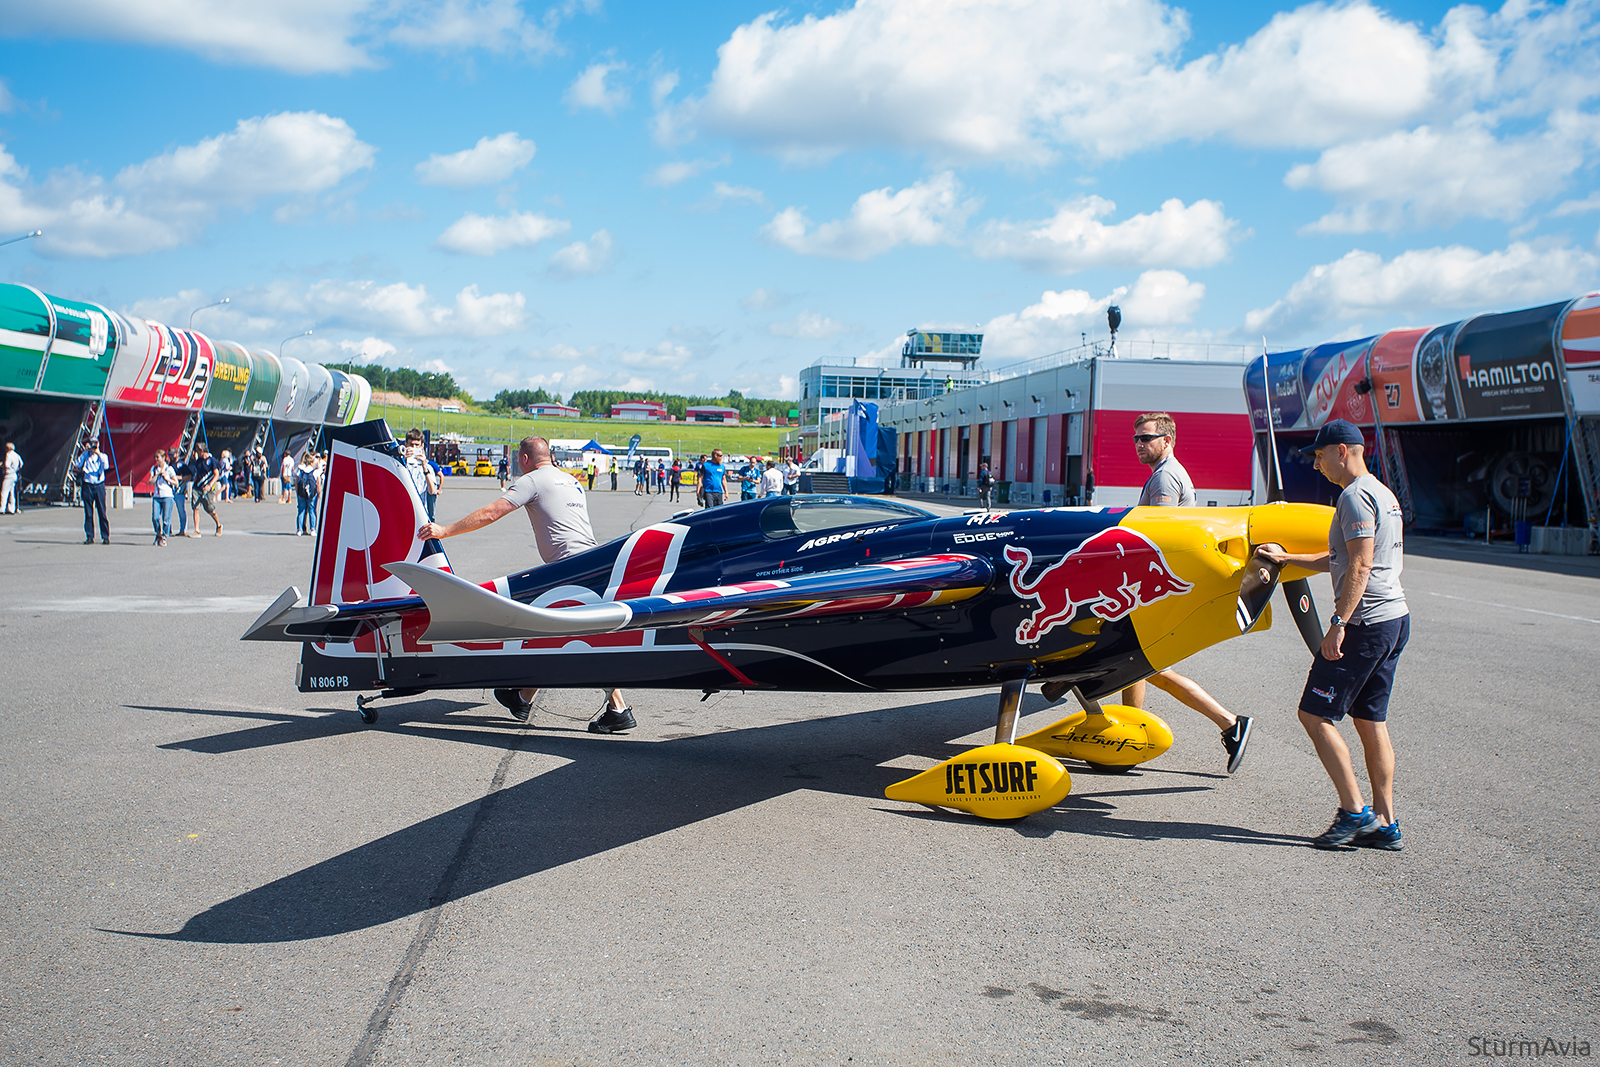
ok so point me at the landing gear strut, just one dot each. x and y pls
(368, 713)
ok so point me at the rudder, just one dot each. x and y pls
(370, 516)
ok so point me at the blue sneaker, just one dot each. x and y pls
(1384, 837)
(1347, 826)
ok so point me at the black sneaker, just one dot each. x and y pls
(512, 700)
(1233, 741)
(1347, 826)
(613, 721)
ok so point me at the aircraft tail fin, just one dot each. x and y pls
(371, 513)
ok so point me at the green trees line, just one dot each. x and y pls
(590, 401)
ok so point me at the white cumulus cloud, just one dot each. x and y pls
(810, 326)
(667, 355)
(1075, 238)
(1157, 299)
(925, 213)
(298, 36)
(722, 192)
(500, 26)
(679, 170)
(764, 300)
(168, 200)
(1426, 284)
(485, 235)
(368, 349)
(1439, 176)
(583, 257)
(1020, 79)
(590, 89)
(290, 152)
(398, 308)
(492, 159)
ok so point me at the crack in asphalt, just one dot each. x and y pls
(379, 1023)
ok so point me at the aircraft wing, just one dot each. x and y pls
(459, 611)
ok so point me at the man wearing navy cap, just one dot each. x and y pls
(1353, 671)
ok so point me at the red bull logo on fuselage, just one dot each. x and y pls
(1112, 572)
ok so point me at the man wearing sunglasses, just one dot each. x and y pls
(1154, 436)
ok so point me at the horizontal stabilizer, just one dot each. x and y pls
(461, 611)
(273, 623)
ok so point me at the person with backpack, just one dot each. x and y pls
(985, 485)
(306, 488)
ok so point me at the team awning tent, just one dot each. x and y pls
(596, 446)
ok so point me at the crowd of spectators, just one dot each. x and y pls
(181, 489)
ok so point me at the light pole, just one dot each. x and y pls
(27, 236)
(286, 340)
(197, 311)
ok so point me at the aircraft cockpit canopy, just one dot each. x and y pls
(790, 516)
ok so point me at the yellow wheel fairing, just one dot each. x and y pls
(992, 782)
(1207, 547)
(1121, 737)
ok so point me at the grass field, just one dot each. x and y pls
(684, 438)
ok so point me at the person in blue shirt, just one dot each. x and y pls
(92, 467)
(712, 475)
(749, 475)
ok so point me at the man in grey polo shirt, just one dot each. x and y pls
(1155, 436)
(559, 514)
(1353, 671)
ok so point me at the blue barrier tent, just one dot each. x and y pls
(596, 446)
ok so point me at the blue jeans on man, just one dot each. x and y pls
(94, 496)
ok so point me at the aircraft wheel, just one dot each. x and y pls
(369, 714)
(1111, 768)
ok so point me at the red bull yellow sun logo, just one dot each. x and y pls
(1113, 572)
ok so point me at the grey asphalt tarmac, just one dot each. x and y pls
(203, 866)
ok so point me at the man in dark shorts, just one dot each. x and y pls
(1353, 671)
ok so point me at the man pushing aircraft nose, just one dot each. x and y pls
(1154, 438)
(559, 514)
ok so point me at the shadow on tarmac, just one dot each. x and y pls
(614, 792)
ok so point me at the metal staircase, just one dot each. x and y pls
(1393, 462)
(94, 414)
(191, 430)
(263, 428)
(1586, 450)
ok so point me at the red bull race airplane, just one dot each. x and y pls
(807, 593)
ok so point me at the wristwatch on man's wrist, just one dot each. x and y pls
(1335, 621)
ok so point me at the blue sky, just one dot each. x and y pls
(694, 198)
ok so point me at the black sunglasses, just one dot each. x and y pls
(1146, 438)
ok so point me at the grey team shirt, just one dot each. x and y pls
(1366, 508)
(1169, 485)
(557, 510)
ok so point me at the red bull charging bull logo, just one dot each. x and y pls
(1113, 572)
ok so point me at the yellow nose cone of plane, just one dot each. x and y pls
(1299, 528)
(1188, 589)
